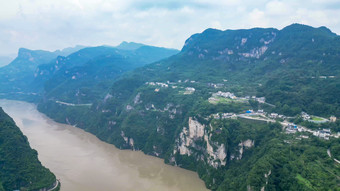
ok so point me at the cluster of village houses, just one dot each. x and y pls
(166, 85)
(307, 117)
(188, 90)
(290, 127)
(233, 97)
(324, 133)
(215, 85)
(159, 84)
(224, 116)
(249, 113)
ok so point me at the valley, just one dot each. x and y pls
(82, 162)
(253, 109)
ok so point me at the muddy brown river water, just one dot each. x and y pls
(84, 163)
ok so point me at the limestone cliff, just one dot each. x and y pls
(214, 153)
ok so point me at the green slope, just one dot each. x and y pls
(20, 168)
(286, 66)
(85, 75)
(16, 77)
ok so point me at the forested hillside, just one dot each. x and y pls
(20, 168)
(16, 77)
(86, 75)
(189, 108)
(77, 75)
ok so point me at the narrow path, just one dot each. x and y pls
(56, 185)
(258, 119)
(73, 104)
(337, 161)
(330, 155)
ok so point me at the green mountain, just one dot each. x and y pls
(85, 76)
(25, 77)
(129, 45)
(16, 78)
(20, 168)
(169, 108)
(69, 50)
(14, 75)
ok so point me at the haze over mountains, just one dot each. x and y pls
(190, 107)
(4, 60)
(26, 75)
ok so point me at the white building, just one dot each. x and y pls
(261, 99)
(274, 115)
(305, 116)
(225, 95)
(332, 119)
(229, 116)
(190, 89)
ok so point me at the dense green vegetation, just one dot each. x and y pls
(287, 67)
(296, 69)
(81, 74)
(86, 75)
(20, 168)
(290, 164)
(16, 78)
(1, 187)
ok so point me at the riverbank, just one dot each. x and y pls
(82, 162)
(20, 168)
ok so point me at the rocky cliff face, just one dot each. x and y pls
(197, 139)
(231, 45)
(128, 141)
(244, 145)
(262, 61)
(214, 153)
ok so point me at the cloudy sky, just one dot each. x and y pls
(56, 24)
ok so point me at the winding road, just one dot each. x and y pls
(56, 185)
(330, 155)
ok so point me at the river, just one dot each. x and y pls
(83, 162)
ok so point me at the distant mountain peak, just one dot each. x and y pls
(28, 53)
(216, 42)
(212, 30)
(22, 51)
(129, 45)
(69, 50)
(300, 28)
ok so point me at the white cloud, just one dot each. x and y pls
(8, 10)
(257, 18)
(278, 8)
(55, 24)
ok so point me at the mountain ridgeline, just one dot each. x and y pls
(86, 75)
(76, 75)
(26, 76)
(165, 108)
(20, 168)
(172, 106)
(16, 77)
